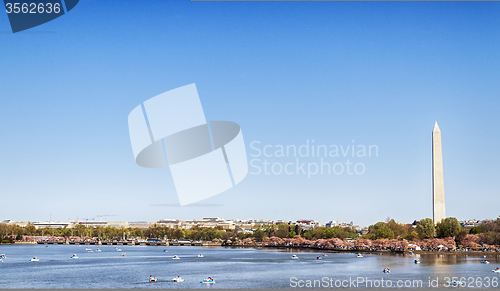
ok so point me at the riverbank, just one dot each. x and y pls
(364, 251)
(325, 250)
(99, 243)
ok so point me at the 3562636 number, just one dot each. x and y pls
(33, 8)
(472, 282)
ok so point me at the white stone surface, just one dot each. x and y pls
(439, 210)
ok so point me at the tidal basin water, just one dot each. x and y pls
(230, 267)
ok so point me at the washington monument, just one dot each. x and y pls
(437, 176)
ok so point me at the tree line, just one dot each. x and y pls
(12, 232)
(485, 234)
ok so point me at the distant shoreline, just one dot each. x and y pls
(406, 252)
(322, 250)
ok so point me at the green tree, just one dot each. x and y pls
(385, 232)
(478, 229)
(462, 234)
(426, 228)
(137, 232)
(492, 238)
(269, 229)
(178, 234)
(81, 230)
(241, 235)
(330, 232)
(344, 234)
(413, 235)
(259, 234)
(308, 234)
(298, 229)
(283, 230)
(318, 232)
(399, 229)
(30, 229)
(448, 227)
(372, 229)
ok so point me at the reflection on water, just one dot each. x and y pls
(230, 267)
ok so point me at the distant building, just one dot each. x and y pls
(468, 224)
(94, 223)
(356, 227)
(308, 223)
(246, 227)
(139, 224)
(172, 223)
(334, 223)
(168, 221)
(117, 224)
(51, 224)
(213, 219)
(226, 225)
(331, 223)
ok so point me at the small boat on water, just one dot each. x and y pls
(453, 283)
(209, 280)
(359, 256)
(74, 256)
(387, 270)
(201, 256)
(497, 270)
(294, 257)
(417, 261)
(482, 256)
(176, 257)
(153, 279)
(165, 250)
(118, 250)
(98, 250)
(485, 262)
(88, 249)
(123, 254)
(325, 255)
(177, 279)
(319, 258)
(3, 256)
(35, 259)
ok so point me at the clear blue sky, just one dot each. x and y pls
(378, 73)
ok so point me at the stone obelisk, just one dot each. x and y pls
(437, 176)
